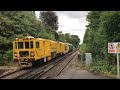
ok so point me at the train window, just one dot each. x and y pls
(31, 44)
(20, 45)
(26, 45)
(37, 45)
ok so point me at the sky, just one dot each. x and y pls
(73, 22)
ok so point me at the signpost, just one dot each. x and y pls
(118, 73)
(114, 47)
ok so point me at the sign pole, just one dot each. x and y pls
(118, 75)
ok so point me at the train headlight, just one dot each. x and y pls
(16, 54)
(32, 54)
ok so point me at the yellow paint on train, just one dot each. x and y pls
(30, 49)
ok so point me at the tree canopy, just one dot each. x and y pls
(104, 27)
(49, 18)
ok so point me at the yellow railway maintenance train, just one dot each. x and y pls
(29, 50)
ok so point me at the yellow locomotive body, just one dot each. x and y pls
(28, 50)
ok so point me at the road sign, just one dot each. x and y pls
(114, 47)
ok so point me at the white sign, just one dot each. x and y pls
(114, 47)
(88, 58)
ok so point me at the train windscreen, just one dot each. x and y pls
(20, 45)
(26, 45)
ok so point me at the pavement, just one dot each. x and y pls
(73, 71)
(78, 74)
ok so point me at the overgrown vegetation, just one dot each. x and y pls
(103, 68)
(15, 24)
(103, 27)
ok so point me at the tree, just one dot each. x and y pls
(75, 40)
(61, 36)
(49, 18)
(67, 38)
(93, 38)
(104, 27)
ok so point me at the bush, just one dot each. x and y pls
(2, 62)
(103, 67)
(6, 58)
(113, 70)
(9, 55)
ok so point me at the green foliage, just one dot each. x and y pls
(6, 57)
(49, 18)
(84, 47)
(61, 37)
(104, 27)
(113, 70)
(67, 38)
(75, 40)
(103, 67)
(2, 62)
(46, 35)
(9, 55)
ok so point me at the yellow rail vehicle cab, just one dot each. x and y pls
(23, 49)
(30, 49)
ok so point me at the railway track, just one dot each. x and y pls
(34, 73)
(20, 72)
(64, 66)
(37, 74)
(59, 68)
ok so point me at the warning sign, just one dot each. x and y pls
(111, 48)
(114, 47)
